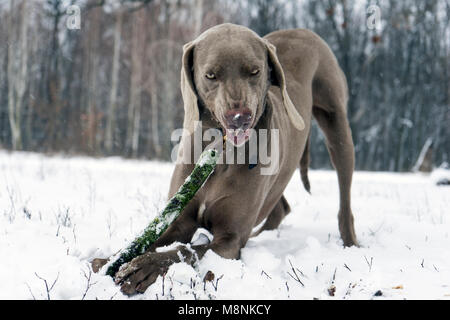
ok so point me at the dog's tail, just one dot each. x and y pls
(304, 164)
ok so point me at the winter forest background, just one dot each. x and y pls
(112, 86)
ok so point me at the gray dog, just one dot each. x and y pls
(234, 80)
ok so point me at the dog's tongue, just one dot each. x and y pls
(237, 137)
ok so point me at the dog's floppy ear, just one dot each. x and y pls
(280, 81)
(188, 91)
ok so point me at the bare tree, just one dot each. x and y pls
(111, 116)
(135, 104)
(117, 78)
(17, 74)
(198, 10)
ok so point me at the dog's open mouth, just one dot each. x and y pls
(237, 136)
(238, 125)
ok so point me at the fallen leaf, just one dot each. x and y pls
(379, 293)
(332, 290)
(398, 287)
(209, 276)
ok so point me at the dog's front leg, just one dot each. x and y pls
(230, 225)
(141, 272)
(137, 275)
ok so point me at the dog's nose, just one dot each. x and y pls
(240, 118)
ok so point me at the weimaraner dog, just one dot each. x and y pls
(234, 80)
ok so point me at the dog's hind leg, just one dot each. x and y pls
(304, 164)
(339, 142)
(275, 217)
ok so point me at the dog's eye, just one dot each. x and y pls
(210, 76)
(254, 72)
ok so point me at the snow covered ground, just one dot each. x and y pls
(57, 213)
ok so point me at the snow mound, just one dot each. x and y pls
(441, 175)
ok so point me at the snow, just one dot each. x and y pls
(441, 175)
(208, 158)
(58, 213)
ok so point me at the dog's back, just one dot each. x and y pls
(318, 87)
(308, 59)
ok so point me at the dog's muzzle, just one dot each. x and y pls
(238, 122)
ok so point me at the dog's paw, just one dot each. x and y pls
(137, 275)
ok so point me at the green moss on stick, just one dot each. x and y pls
(202, 170)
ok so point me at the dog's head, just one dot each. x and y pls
(229, 70)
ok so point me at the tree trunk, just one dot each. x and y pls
(11, 86)
(111, 118)
(93, 73)
(134, 111)
(17, 77)
(198, 17)
(155, 114)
